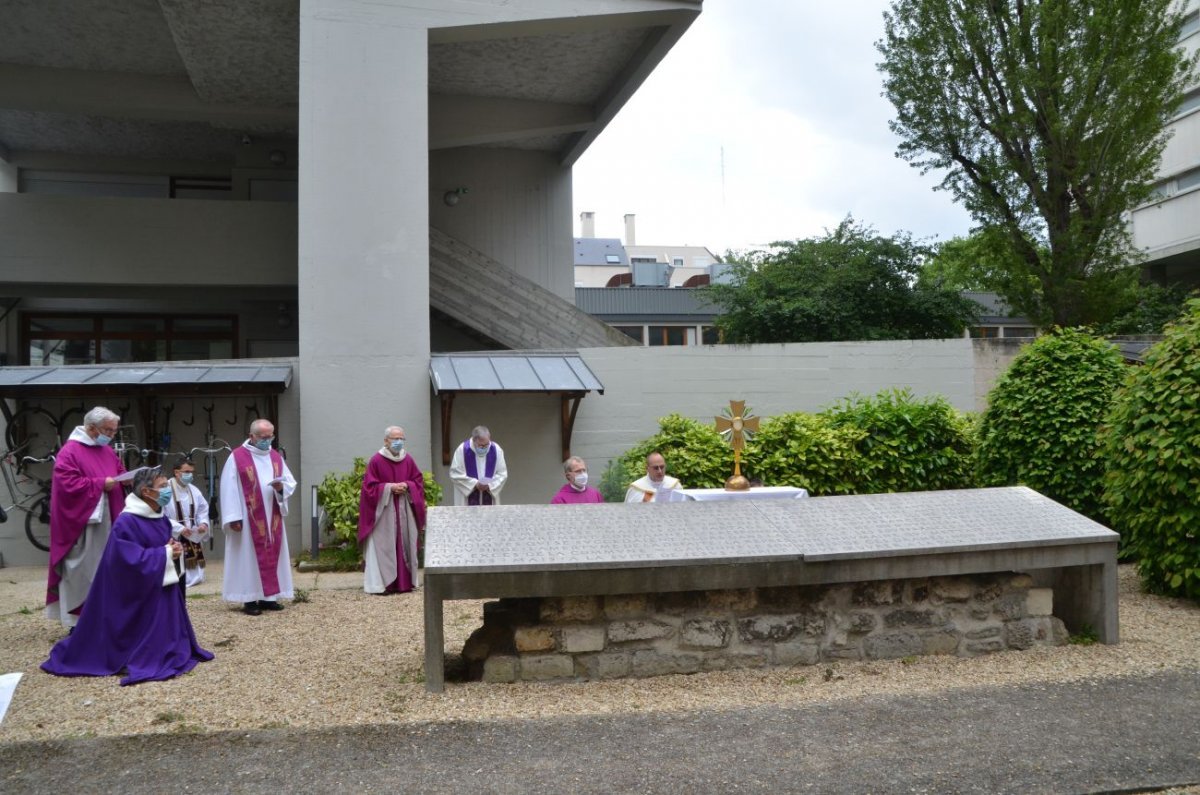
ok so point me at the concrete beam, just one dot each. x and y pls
(473, 121)
(127, 96)
(559, 18)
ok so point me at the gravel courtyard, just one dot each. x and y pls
(343, 658)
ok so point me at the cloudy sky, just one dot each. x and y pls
(790, 92)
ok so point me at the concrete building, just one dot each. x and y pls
(652, 316)
(605, 262)
(1167, 228)
(351, 184)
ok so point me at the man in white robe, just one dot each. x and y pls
(656, 485)
(257, 564)
(188, 512)
(478, 470)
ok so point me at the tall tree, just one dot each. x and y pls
(849, 284)
(1047, 116)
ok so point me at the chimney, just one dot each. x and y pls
(630, 236)
(587, 224)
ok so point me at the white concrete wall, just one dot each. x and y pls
(596, 275)
(517, 210)
(1169, 226)
(644, 384)
(73, 240)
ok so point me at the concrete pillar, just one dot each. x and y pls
(363, 234)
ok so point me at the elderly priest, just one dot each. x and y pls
(391, 512)
(478, 470)
(135, 619)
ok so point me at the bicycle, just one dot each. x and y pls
(34, 429)
(30, 494)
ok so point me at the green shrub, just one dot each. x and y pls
(1152, 449)
(616, 479)
(695, 453)
(905, 443)
(338, 495)
(1040, 427)
(806, 451)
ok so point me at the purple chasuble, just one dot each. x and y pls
(381, 471)
(131, 621)
(477, 497)
(79, 474)
(567, 495)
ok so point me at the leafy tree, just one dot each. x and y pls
(1145, 308)
(849, 284)
(1043, 416)
(1152, 447)
(982, 262)
(1048, 119)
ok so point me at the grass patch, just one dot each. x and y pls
(192, 595)
(795, 680)
(25, 611)
(1086, 636)
(345, 557)
(301, 596)
(169, 717)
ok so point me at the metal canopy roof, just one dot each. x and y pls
(145, 379)
(512, 371)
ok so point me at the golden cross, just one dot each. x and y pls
(737, 427)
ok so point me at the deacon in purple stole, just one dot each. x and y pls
(255, 487)
(478, 470)
(391, 514)
(135, 619)
(84, 500)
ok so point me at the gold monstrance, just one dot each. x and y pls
(736, 428)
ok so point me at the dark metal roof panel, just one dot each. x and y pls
(17, 381)
(596, 251)
(651, 302)
(512, 371)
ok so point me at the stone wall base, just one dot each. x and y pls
(607, 637)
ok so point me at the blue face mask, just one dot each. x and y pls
(185, 478)
(397, 445)
(164, 496)
(482, 450)
(103, 440)
(264, 444)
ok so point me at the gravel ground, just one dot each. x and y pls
(344, 658)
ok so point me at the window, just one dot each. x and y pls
(642, 259)
(985, 332)
(669, 335)
(201, 187)
(612, 259)
(677, 262)
(633, 332)
(64, 183)
(1188, 180)
(709, 335)
(1020, 331)
(73, 338)
(1191, 24)
(1191, 102)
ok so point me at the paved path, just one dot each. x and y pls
(1113, 735)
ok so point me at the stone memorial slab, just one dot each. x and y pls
(930, 522)
(558, 537)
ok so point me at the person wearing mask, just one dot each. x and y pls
(478, 471)
(188, 512)
(576, 491)
(83, 503)
(255, 487)
(656, 485)
(135, 619)
(391, 514)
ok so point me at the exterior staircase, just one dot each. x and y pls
(492, 301)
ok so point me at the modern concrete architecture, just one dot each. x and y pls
(1167, 228)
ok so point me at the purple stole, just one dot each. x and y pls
(266, 539)
(477, 497)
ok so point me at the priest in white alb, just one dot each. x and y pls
(478, 471)
(255, 487)
(656, 485)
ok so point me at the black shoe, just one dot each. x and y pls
(251, 609)
(263, 604)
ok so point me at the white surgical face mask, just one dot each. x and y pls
(581, 479)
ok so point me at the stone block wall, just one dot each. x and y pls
(606, 637)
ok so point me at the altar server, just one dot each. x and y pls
(188, 512)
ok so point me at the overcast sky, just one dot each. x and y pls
(790, 92)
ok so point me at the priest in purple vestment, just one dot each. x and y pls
(576, 491)
(84, 500)
(478, 470)
(135, 619)
(391, 514)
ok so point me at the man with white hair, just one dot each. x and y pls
(255, 486)
(478, 470)
(391, 513)
(83, 503)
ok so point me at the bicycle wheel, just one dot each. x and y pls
(33, 431)
(37, 524)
